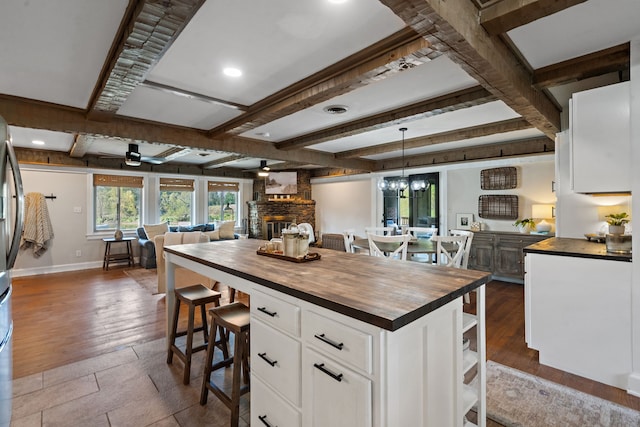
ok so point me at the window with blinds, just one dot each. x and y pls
(176, 201)
(117, 201)
(223, 198)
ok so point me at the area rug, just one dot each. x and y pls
(518, 399)
(147, 278)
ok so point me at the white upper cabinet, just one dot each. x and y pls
(601, 142)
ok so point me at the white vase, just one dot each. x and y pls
(616, 229)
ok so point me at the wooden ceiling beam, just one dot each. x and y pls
(221, 161)
(39, 115)
(517, 148)
(452, 28)
(450, 102)
(146, 33)
(613, 59)
(439, 138)
(384, 59)
(81, 145)
(505, 15)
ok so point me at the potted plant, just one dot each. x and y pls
(525, 225)
(616, 222)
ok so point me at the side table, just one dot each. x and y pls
(119, 257)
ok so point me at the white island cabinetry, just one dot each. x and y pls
(334, 352)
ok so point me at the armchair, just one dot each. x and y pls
(147, 249)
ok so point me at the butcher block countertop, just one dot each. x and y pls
(579, 248)
(382, 292)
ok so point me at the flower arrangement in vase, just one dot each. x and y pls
(525, 225)
(616, 222)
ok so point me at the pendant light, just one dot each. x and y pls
(403, 183)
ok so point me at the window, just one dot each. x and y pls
(176, 201)
(418, 208)
(223, 201)
(117, 202)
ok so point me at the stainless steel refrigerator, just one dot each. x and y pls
(11, 216)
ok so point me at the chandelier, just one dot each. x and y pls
(402, 184)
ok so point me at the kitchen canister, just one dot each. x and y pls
(303, 244)
(290, 243)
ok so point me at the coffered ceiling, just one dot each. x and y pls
(324, 85)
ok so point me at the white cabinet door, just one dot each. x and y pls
(601, 140)
(335, 395)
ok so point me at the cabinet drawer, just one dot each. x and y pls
(276, 312)
(275, 358)
(267, 409)
(343, 342)
(338, 397)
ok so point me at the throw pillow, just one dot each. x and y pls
(213, 235)
(226, 230)
(153, 230)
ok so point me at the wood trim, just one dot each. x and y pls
(450, 102)
(39, 115)
(151, 28)
(374, 63)
(605, 61)
(518, 148)
(439, 138)
(506, 15)
(452, 27)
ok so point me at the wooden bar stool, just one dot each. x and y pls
(234, 318)
(192, 296)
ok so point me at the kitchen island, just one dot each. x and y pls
(360, 341)
(578, 308)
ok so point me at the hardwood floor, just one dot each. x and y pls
(67, 317)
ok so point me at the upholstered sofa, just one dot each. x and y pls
(147, 245)
(183, 277)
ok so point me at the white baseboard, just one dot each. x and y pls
(55, 269)
(634, 384)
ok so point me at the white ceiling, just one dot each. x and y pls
(55, 51)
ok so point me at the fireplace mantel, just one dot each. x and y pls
(294, 210)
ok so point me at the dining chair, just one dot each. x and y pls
(399, 253)
(420, 232)
(381, 231)
(467, 245)
(307, 228)
(450, 257)
(349, 237)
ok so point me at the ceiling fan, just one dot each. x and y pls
(263, 170)
(133, 157)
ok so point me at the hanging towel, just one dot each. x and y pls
(38, 232)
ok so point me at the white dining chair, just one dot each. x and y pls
(381, 231)
(349, 237)
(307, 228)
(450, 257)
(467, 245)
(399, 253)
(420, 232)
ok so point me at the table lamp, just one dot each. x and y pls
(542, 212)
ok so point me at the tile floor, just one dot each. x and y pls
(130, 387)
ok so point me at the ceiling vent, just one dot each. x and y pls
(336, 109)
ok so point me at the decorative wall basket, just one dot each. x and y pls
(499, 178)
(498, 207)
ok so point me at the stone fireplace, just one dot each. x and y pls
(268, 218)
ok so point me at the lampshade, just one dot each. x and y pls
(542, 211)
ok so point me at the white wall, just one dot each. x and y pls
(534, 187)
(341, 205)
(356, 203)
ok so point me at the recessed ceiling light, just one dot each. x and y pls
(336, 109)
(37, 142)
(263, 134)
(232, 72)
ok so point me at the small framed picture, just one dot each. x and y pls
(463, 221)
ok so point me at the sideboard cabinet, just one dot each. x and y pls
(501, 253)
